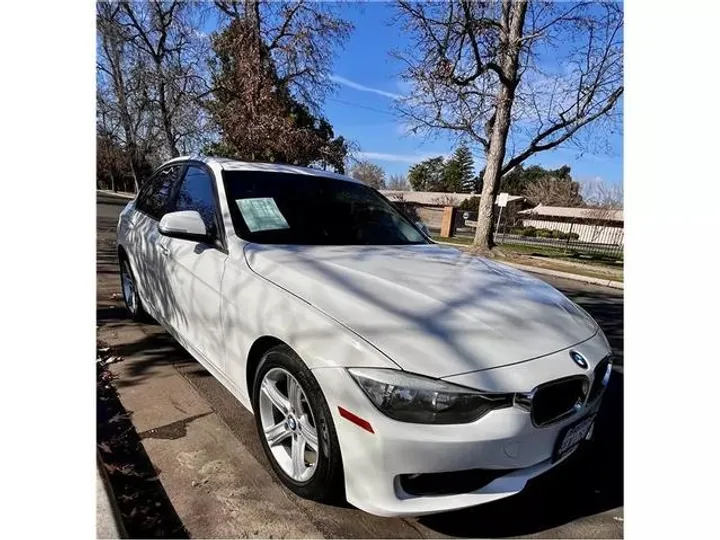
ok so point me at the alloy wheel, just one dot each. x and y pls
(288, 424)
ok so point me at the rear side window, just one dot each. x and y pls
(196, 193)
(153, 200)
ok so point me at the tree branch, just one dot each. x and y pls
(286, 23)
(229, 8)
(574, 124)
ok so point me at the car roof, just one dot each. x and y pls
(228, 164)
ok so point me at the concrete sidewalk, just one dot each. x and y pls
(566, 275)
(219, 485)
(107, 516)
(217, 488)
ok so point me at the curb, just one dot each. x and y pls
(555, 273)
(128, 196)
(112, 526)
(571, 264)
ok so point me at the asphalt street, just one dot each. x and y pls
(581, 498)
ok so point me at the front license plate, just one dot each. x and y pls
(570, 437)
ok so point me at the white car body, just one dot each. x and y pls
(424, 309)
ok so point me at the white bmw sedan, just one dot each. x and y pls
(408, 377)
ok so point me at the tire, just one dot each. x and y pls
(325, 483)
(128, 286)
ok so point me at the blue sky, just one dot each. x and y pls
(368, 80)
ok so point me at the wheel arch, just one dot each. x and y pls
(122, 253)
(259, 347)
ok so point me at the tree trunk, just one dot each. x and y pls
(252, 22)
(134, 169)
(491, 178)
(513, 21)
(112, 50)
(165, 115)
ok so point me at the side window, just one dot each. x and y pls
(196, 193)
(154, 199)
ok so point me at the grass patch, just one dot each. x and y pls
(552, 252)
(588, 270)
(553, 258)
(463, 240)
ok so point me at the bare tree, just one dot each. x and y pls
(605, 203)
(599, 193)
(552, 191)
(398, 182)
(151, 62)
(369, 173)
(447, 199)
(123, 101)
(479, 70)
(166, 34)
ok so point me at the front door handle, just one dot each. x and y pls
(165, 250)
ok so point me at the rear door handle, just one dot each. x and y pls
(165, 250)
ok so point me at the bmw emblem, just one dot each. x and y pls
(579, 359)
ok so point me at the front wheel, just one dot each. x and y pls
(295, 427)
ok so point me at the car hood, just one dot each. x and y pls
(431, 309)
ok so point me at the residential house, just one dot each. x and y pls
(428, 205)
(592, 225)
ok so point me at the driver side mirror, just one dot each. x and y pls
(184, 224)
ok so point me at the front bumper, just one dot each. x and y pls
(374, 462)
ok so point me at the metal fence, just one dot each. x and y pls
(582, 237)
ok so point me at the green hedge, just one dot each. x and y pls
(543, 233)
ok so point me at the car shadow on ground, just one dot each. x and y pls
(143, 504)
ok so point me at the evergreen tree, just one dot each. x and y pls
(517, 181)
(478, 182)
(459, 171)
(428, 175)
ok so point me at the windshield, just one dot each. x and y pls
(281, 208)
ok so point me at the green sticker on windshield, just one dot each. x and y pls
(262, 214)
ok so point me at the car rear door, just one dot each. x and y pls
(195, 269)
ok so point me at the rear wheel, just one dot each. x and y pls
(295, 427)
(130, 293)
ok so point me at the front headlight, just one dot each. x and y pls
(413, 398)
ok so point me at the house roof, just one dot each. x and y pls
(434, 198)
(580, 213)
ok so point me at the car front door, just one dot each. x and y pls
(145, 239)
(195, 269)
